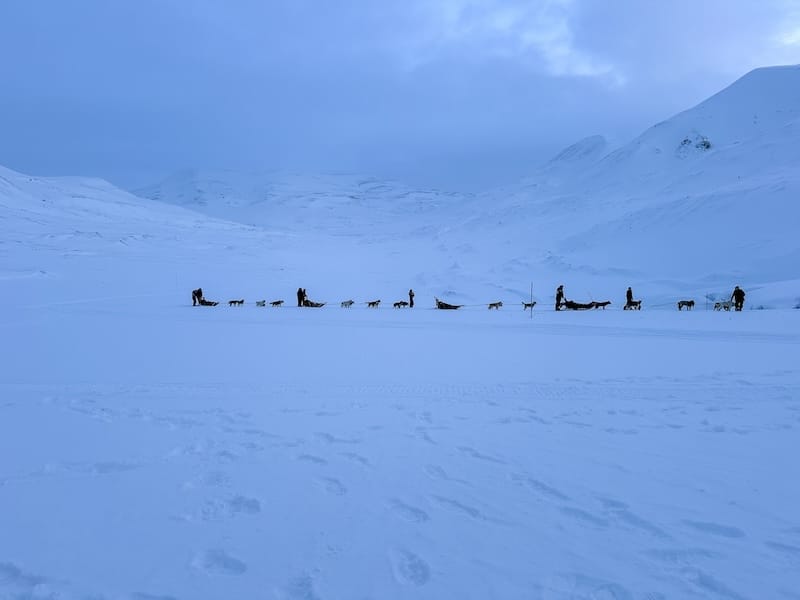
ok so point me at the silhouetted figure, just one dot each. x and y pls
(738, 298)
(559, 297)
(629, 296)
(197, 295)
(300, 296)
(410, 298)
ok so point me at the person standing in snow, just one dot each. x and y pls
(629, 296)
(559, 296)
(738, 298)
(411, 298)
(300, 296)
(197, 295)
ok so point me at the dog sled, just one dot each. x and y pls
(445, 306)
(310, 304)
(570, 305)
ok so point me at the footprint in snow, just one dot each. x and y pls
(715, 529)
(300, 588)
(458, 507)
(634, 520)
(408, 512)
(332, 486)
(436, 472)
(409, 569)
(215, 510)
(679, 556)
(479, 455)
(357, 458)
(311, 458)
(537, 486)
(218, 562)
(332, 439)
(578, 585)
(583, 516)
(787, 549)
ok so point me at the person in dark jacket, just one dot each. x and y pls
(560, 298)
(300, 296)
(629, 296)
(738, 298)
(197, 295)
(411, 298)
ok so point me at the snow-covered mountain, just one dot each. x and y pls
(333, 204)
(698, 202)
(694, 205)
(87, 234)
(708, 196)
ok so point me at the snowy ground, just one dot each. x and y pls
(151, 450)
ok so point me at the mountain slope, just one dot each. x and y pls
(708, 195)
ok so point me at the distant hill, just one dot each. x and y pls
(334, 204)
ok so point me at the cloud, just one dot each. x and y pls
(790, 38)
(789, 34)
(462, 88)
(537, 34)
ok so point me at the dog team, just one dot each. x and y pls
(736, 302)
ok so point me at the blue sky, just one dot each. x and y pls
(458, 94)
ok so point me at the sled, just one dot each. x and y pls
(446, 306)
(570, 305)
(310, 304)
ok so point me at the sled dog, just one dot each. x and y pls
(235, 302)
(633, 305)
(401, 304)
(689, 304)
(347, 303)
(373, 303)
(495, 305)
(276, 303)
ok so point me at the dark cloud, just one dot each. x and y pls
(455, 93)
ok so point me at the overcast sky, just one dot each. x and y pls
(458, 94)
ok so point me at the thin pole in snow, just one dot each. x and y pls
(531, 301)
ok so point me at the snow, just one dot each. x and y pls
(154, 450)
